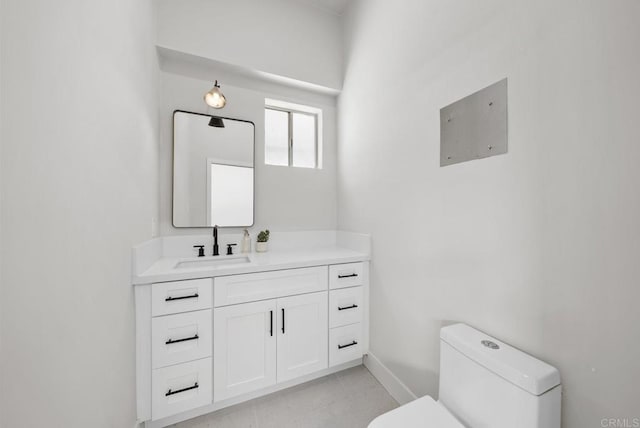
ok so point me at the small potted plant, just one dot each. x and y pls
(263, 241)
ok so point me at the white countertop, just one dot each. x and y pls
(164, 269)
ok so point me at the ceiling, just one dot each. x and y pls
(333, 6)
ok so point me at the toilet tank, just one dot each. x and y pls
(486, 383)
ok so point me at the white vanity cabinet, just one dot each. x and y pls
(259, 344)
(175, 339)
(346, 312)
(207, 343)
(262, 343)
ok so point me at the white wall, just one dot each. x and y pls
(79, 188)
(282, 37)
(285, 198)
(538, 247)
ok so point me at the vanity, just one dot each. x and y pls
(212, 332)
(216, 330)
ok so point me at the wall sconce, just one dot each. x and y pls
(214, 97)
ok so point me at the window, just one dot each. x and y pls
(292, 135)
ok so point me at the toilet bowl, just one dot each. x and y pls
(483, 383)
(424, 412)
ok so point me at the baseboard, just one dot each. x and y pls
(398, 390)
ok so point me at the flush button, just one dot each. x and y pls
(490, 344)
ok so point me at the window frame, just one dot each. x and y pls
(290, 112)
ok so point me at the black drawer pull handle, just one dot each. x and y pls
(344, 308)
(282, 320)
(193, 296)
(186, 339)
(352, 275)
(271, 324)
(178, 391)
(346, 346)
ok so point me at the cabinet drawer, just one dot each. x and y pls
(345, 344)
(179, 388)
(180, 338)
(345, 306)
(181, 296)
(346, 275)
(231, 290)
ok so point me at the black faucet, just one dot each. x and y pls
(215, 241)
(200, 250)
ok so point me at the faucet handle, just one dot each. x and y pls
(200, 250)
(230, 249)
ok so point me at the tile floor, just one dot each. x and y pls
(348, 399)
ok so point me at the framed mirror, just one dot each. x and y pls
(213, 171)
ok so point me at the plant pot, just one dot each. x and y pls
(262, 247)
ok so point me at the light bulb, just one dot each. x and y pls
(214, 97)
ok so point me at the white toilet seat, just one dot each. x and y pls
(424, 412)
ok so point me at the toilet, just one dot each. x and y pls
(484, 383)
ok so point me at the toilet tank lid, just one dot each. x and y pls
(517, 367)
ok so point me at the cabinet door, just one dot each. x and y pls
(302, 335)
(244, 348)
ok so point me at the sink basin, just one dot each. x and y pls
(207, 262)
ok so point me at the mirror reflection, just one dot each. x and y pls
(213, 171)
